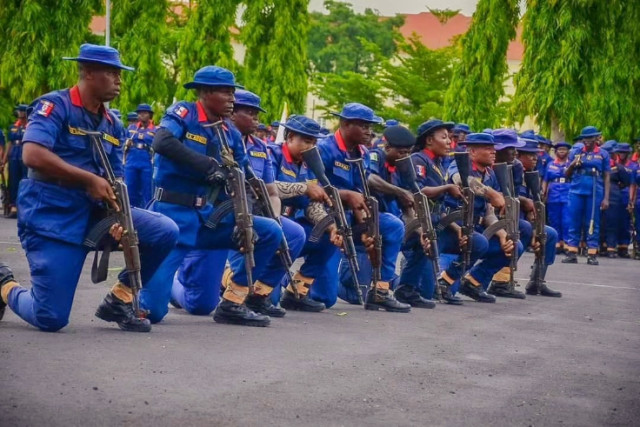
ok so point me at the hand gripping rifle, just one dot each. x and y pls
(98, 237)
(336, 215)
(532, 180)
(423, 222)
(234, 180)
(259, 190)
(371, 225)
(465, 214)
(511, 220)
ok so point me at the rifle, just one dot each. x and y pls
(371, 224)
(465, 214)
(336, 215)
(511, 220)
(532, 180)
(259, 190)
(423, 222)
(234, 180)
(96, 237)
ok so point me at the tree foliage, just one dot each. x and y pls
(36, 35)
(206, 40)
(336, 39)
(139, 26)
(275, 36)
(478, 79)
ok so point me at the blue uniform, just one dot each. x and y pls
(430, 172)
(543, 162)
(346, 177)
(186, 120)
(493, 260)
(582, 197)
(53, 219)
(617, 217)
(635, 173)
(17, 169)
(138, 168)
(196, 285)
(558, 198)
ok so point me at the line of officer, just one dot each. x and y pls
(617, 229)
(555, 189)
(138, 167)
(65, 194)
(13, 156)
(634, 206)
(589, 171)
(186, 171)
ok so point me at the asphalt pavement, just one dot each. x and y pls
(542, 361)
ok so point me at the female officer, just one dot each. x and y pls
(617, 222)
(589, 171)
(555, 190)
(302, 200)
(138, 166)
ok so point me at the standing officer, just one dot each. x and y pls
(588, 171)
(555, 190)
(356, 121)
(196, 286)
(458, 136)
(618, 220)
(65, 195)
(544, 158)
(138, 157)
(13, 156)
(187, 177)
(484, 184)
(634, 207)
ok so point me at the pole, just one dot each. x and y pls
(107, 31)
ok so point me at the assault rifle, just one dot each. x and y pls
(336, 215)
(532, 180)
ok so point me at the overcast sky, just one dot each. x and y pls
(392, 7)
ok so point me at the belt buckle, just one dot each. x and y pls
(199, 202)
(159, 193)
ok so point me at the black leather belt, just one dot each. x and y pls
(183, 199)
(142, 147)
(39, 176)
(587, 172)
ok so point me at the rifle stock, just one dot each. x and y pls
(532, 180)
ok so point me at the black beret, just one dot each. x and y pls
(399, 136)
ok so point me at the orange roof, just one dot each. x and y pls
(436, 35)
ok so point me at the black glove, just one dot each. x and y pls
(215, 175)
(238, 234)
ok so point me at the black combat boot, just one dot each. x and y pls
(383, 299)
(537, 284)
(238, 314)
(571, 258)
(624, 253)
(592, 260)
(475, 292)
(6, 275)
(611, 254)
(636, 250)
(505, 290)
(409, 295)
(262, 304)
(447, 295)
(303, 303)
(113, 309)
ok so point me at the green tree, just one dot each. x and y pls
(170, 46)
(478, 79)
(339, 89)
(417, 80)
(36, 35)
(139, 26)
(276, 55)
(336, 39)
(206, 40)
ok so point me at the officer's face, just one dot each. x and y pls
(528, 160)
(395, 153)
(590, 142)
(484, 155)
(544, 147)
(104, 82)
(357, 132)
(297, 143)
(562, 152)
(439, 142)
(622, 157)
(462, 137)
(246, 120)
(144, 116)
(508, 155)
(218, 100)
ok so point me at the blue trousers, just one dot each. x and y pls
(617, 226)
(636, 214)
(580, 207)
(137, 176)
(392, 233)
(56, 266)
(196, 286)
(17, 171)
(155, 297)
(558, 216)
(493, 261)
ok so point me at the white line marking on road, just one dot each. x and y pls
(584, 284)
